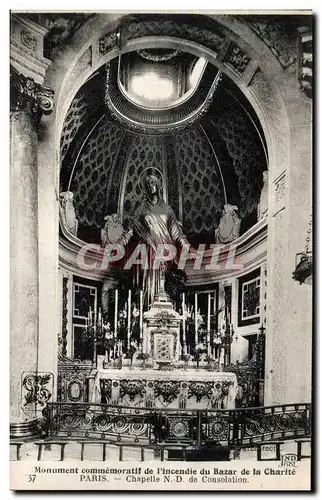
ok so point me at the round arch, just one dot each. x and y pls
(264, 91)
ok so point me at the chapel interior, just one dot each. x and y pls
(146, 129)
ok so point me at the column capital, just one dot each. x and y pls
(27, 95)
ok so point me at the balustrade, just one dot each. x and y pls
(238, 427)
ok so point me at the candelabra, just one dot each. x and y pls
(101, 335)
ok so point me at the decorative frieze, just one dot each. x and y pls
(107, 42)
(236, 58)
(27, 47)
(160, 389)
(276, 36)
(28, 39)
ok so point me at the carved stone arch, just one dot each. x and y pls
(276, 109)
(257, 87)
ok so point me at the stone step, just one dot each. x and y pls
(74, 450)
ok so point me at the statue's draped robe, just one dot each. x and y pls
(156, 224)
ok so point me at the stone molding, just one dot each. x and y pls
(27, 46)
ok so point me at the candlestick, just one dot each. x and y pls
(115, 312)
(184, 319)
(208, 325)
(129, 318)
(196, 319)
(141, 314)
(215, 324)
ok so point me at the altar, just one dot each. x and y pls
(173, 389)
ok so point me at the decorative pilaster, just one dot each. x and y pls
(28, 100)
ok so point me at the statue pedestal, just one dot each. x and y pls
(161, 331)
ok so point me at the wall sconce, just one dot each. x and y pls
(303, 262)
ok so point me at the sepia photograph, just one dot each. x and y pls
(161, 249)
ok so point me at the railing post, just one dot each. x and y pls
(236, 425)
(199, 428)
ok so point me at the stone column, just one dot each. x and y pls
(28, 101)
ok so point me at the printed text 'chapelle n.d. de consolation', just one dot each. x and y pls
(143, 475)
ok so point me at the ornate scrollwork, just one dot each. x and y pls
(36, 388)
(132, 388)
(212, 38)
(107, 42)
(27, 39)
(163, 319)
(167, 389)
(158, 54)
(200, 390)
(241, 427)
(277, 38)
(278, 423)
(45, 100)
(237, 59)
(218, 428)
(179, 428)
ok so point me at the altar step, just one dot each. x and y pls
(60, 450)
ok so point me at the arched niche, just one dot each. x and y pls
(265, 85)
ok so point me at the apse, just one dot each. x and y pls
(172, 111)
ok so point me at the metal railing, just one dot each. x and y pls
(149, 426)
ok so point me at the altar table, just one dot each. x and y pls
(191, 389)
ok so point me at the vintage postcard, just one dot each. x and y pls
(161, 250)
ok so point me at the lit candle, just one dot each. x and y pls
(196, 319)
(184, 318)
(115, 312)
(208, 326)
(129, 318)
(94, 321)
(99, 316)
(215, 325)
(90, 316)
(141, 314)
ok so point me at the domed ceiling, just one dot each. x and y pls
(218, 159)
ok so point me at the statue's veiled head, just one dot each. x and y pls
(152, 185)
